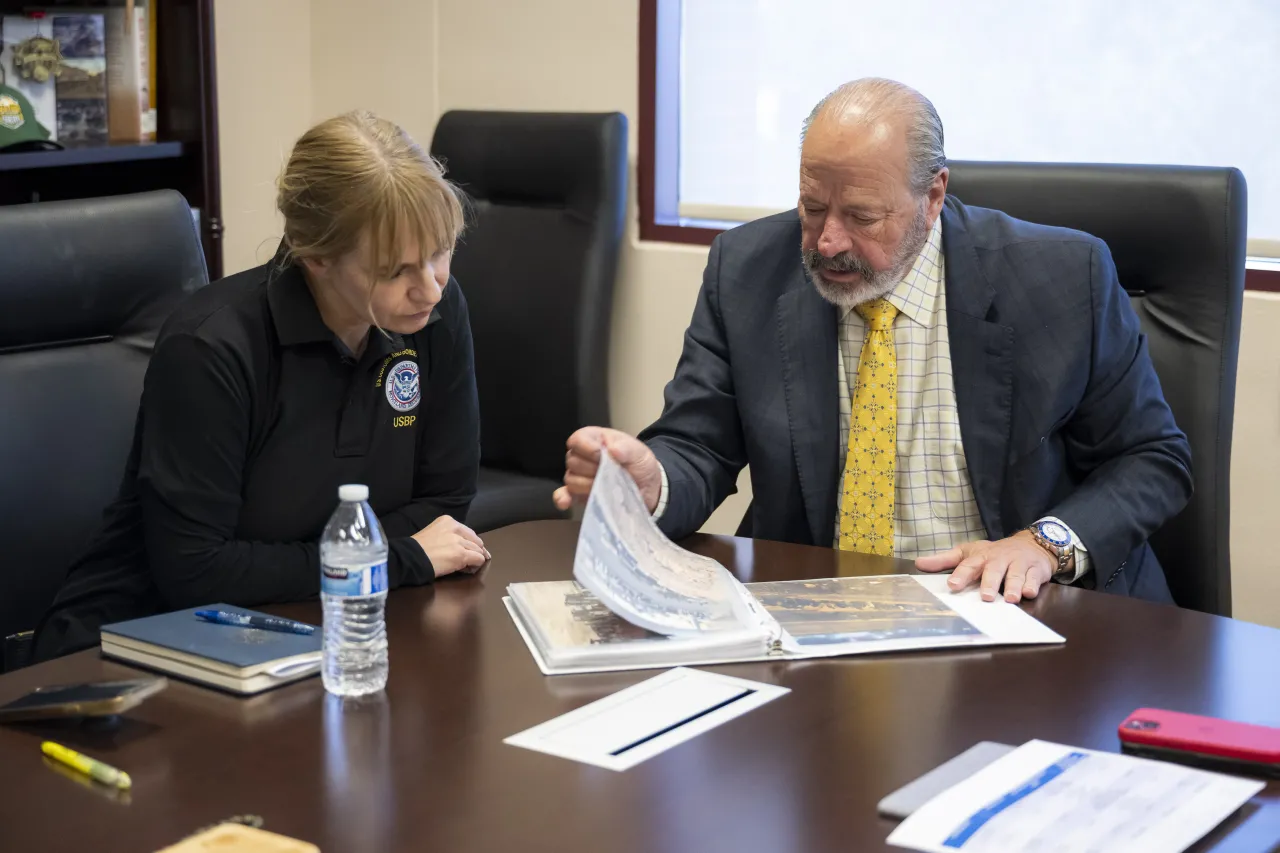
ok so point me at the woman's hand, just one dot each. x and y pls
(452, 546)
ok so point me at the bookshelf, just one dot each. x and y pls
(184, 156)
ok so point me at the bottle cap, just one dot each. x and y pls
(353, 493)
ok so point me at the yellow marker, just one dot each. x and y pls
(104, 773)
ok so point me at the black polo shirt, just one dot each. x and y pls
(252, 414)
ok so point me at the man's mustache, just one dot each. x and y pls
(843, 262)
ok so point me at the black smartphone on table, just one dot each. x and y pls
(99, 699)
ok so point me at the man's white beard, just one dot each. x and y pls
(850, 294)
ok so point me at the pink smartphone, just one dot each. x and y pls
(1202, 741)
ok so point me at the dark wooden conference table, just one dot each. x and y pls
(423, 768)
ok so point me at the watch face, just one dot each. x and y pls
(1055, 533)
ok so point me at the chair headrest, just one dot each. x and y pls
(533, 159)
(94, 268)
(1168, 227)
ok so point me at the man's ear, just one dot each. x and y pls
(938, 193)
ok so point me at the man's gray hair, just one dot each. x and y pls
(875, 97)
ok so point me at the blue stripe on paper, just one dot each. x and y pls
(980, 818)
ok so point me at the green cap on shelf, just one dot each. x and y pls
(17, 118)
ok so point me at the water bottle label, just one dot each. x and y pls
(360, 580)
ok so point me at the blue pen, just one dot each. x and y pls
(266, 623)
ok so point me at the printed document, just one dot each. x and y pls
(627, 562)
(1059, 799)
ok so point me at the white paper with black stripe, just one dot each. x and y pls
(635, 724)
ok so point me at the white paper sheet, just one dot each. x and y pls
(1055, 799)
(644, 577)
(1002, 622)
(632, 725)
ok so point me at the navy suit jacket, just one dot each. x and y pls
(1060, 409)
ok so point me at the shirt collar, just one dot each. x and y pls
(916, 295)
(293, 309)
(297, 319)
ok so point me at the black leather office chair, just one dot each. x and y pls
(1177, 235)
(538, 264)
(84, 288)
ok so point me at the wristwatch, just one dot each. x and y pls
(1054, 537)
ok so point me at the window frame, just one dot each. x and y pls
(657, 166)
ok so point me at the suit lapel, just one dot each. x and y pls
(981, 367)
(807, 338)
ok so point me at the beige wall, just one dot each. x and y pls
(264, 104)
(411, 59)
(1255, 464)
(376, 55)
(284, 65)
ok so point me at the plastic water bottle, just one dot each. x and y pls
(353, 590)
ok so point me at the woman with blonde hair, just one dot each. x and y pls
(346, 359)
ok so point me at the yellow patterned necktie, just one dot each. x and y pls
(866, 512)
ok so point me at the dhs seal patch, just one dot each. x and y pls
(403, 392)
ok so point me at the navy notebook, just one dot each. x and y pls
(243, 660)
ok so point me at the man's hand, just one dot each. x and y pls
(1018, 561)
(452, 546)
(583, 460)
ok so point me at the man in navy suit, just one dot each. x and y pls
(907, 375)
